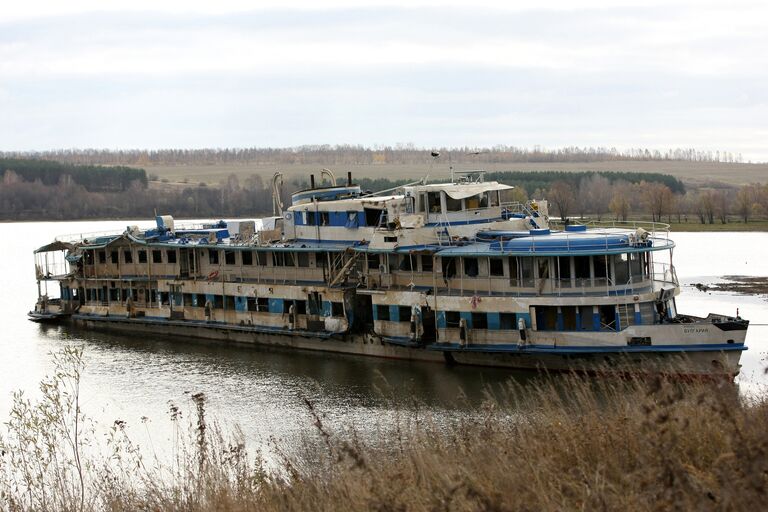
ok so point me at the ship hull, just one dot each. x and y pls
(689, 363)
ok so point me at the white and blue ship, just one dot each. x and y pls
(449, 272)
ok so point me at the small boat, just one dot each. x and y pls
(47, 311)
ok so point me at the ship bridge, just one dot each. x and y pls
(413, 215)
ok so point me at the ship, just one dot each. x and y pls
(454, 272)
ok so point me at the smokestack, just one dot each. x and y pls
(349, 178)
(311, 181)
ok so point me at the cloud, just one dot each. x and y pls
(138, 76)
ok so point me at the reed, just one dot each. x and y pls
(562, 444)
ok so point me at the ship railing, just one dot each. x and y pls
(545, 287)
(565, 242)
(82, 237)
(654, 229)
(665, 274)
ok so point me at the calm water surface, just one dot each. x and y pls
(262, 391)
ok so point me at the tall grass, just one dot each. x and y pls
(563, 444)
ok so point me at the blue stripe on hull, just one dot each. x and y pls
(549, 349)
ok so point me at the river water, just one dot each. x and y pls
(262, 391)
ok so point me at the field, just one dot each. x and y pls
(689, 172)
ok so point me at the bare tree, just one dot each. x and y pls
(561, 196)
(744, 201)
(594, 195)
(619, 204)
(657, 198)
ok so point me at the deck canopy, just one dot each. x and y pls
(55, 246)
(463, 190)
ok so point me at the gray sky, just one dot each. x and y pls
(190, 74)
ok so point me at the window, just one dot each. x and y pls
(229, 302)
(479, 320)
(188, 298)
(325, 218)
(337, 309)
(601, 266)
(311, 219)
(157, 256)
(507, 321)
(581, 267)
(635, 265)
(251, 303)
(422, 203)
(451, 204)
(142, 255)
(382, 312)
(213, 256)
(494, 195)
(372, 216)
(303, 259)
(127, 256)
(452, 319)
(426, 263)
(433, 201)
(478, 201)
(526, 270)
(171, 254)
(564, 263)
(261, 258)
(102, 256)
(278, 259)
(404, 312)
(513, 270)
(496, 267)
(247, 257)
(320, 259)
(229, 257)
(300, 307)
(449, 268)
(113, 257)
(218, 302)
(165, 298)
(621, 268)
(262, 304)
(470, 267)
(201, 300)
(543, 264)
(405, 262)
(373, 262)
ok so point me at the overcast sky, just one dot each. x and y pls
(132, 74)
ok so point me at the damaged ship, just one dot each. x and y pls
(452, 272)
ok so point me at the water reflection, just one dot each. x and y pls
(263, 390)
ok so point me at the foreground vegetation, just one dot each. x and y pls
(562, 444)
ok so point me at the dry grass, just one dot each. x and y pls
(568, 444)
(689, 172)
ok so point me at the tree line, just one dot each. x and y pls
(597, 196)
(575, 194)
(93, 178)
(339, 155)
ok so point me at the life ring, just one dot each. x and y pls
(213, 275)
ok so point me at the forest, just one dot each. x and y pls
(93, 178)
